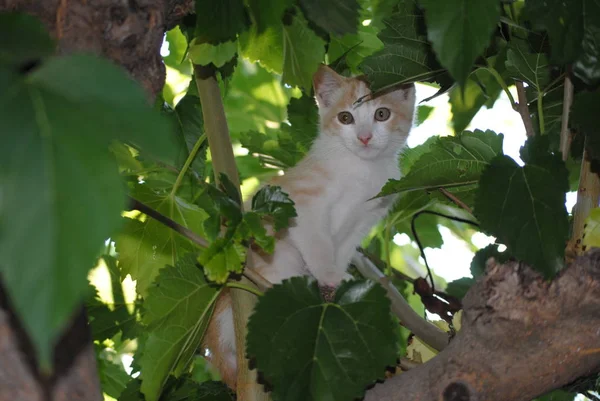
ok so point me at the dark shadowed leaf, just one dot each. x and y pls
(458, 288)
(178, 308)
(583, 119)
(460, 24)
(481, 257)
(524, 65)
(309, 349)
(29, 41)
(272, 201)
(220, 21)
(524, 207)
(587, 67)
(113, 378)
(336, 17)
(406, 56)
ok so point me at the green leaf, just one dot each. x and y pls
(146, 247)
(221, 21)
(481, 88)
(586, 66)
(422, 114)
(582, 119)
(291, 142)
(189, 125)
(268, 12)
(178, 308)
(406, 55)
(178, 46)
(562, 21)
(218, 55)
(336, 17)
(458, 288)
(481, 257)
(524, 207)
(29, 41)
(113, 378)
(557, 395)
(57, 123)
(309, 349)
(354, 48)
(293, 50)
(272, 201)
(523, 65)
(460, 24)
(222, 257)
(450, 162)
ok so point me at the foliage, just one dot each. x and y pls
(83, 143)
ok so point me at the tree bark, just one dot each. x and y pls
(130, 33)
(521, 337)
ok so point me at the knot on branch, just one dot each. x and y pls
(457, 391)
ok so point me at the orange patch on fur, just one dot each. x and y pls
(351, 90)
(211, 341)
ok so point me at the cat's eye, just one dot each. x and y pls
(382, 114)
(345, 117)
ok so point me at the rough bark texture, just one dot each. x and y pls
(521, 337)
(129, 32)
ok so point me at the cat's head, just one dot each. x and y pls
(376, 127)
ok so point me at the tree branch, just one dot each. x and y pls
(455, 200)
(510, 312)
(565, 134)
(523, 109)
(588, 196)
(426, 331)
(217, 132)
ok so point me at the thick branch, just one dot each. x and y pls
(223, 161)
(523, 109)
(521, 337)
(588, 196)
(426, 331)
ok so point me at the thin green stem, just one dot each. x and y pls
(386, 245)
(244, 287)
(188, 163)
(540, 108)
(502, 83)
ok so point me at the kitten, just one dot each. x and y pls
(353, 156)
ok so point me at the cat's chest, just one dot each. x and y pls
(354, 190)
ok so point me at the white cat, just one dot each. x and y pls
(354, 155)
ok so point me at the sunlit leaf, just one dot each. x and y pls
(178, 307)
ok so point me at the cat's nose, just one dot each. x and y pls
(365, 138)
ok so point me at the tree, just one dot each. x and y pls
(87, 160)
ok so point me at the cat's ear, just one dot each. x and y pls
(326, 81)
(405, 93)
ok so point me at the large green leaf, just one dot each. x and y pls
(524, 207)
(309, 349)
(406, 55)
(562, 21)
(57, 123)
(147, 246)
(292, 50)
(459, 31)
(272, 201)
(178, 308)
(338, 17)
(266, 13)
(526, 66)
(450, 162)
(355, 47)
(113, 378)
(220, 21)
